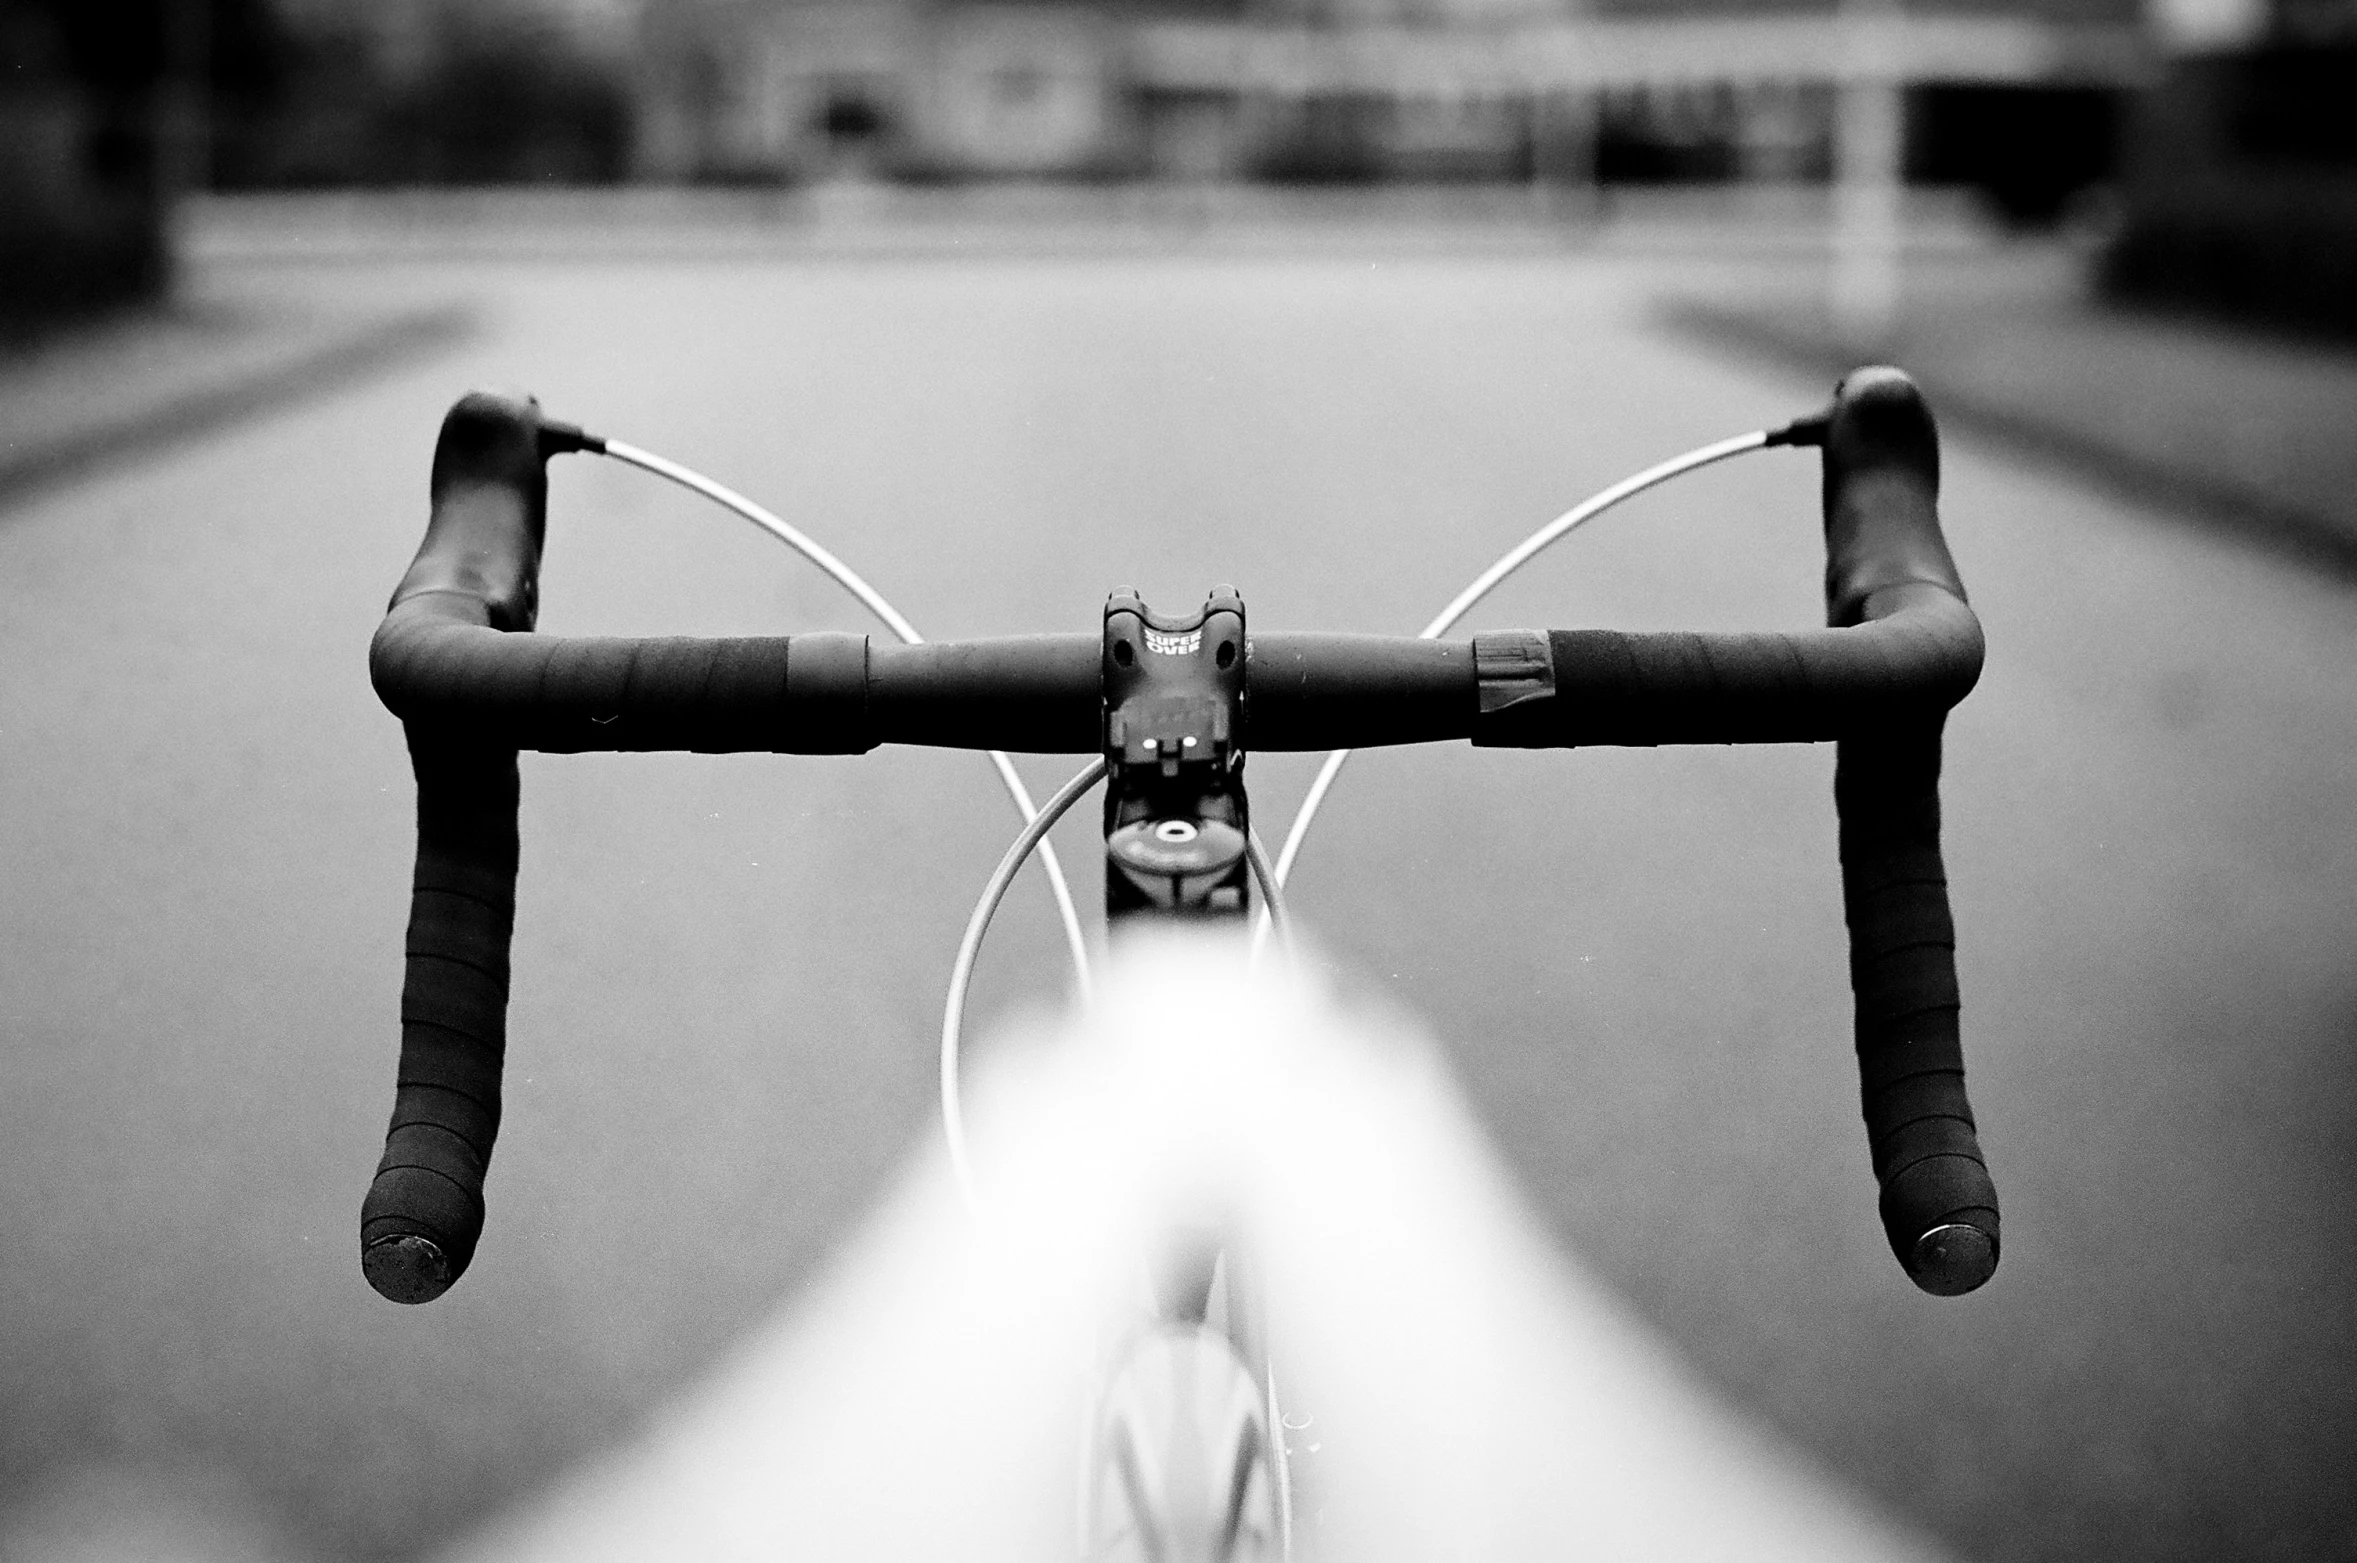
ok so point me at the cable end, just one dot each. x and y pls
(562, 439)
(1810, 430)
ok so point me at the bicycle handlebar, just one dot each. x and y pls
(454, 661)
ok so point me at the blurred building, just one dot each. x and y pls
(741, 89)
(1997, 91)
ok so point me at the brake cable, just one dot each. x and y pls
(850, 580)
(1039, 820)
(1488, 580)
(961, 971)
(1271, 878)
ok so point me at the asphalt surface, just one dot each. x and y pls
(728, 970)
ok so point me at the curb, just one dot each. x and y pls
(2221, 504)
(177, 419)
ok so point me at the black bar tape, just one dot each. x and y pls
(424, 1211)
(1939, 1207)
(479, 564)
(802, 694)
(1885, 558)
(436, 659)
(1611, 687)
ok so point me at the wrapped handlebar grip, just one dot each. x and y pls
(1884, 551)
(424, 1210)
(480, 560)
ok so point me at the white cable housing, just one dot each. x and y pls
(1487, 581)
(851, 581)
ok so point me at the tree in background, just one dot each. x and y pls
(95, 100)
(2241, 195)
(422, 92)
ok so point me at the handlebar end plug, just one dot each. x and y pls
(407, 1268)
(1953, 1259)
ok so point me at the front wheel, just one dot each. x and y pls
(1185, 1461)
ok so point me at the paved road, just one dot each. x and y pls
(727, 970)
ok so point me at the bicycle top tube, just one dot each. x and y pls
(454, 660)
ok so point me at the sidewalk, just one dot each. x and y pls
(2254, 433)
(2251, 432)
(156, 377)
(851, 220)
(855, 219)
